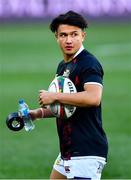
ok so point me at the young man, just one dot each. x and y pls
(83, 143)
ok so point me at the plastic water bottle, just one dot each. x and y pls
(24, 112)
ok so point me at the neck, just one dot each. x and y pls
(68, 58)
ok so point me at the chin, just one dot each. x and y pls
(70, 52)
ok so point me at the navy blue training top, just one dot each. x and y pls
(82, 134)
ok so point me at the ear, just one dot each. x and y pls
(56, 35)
(83, 35)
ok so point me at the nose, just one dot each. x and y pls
(68, 40)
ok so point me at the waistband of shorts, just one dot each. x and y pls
(89, 157)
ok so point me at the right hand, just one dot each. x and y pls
(33, 114)
(36, 114)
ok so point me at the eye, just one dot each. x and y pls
(63, 35)
(74, 34)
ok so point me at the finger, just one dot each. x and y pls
(40, 96)
(40, 100)
(42, 90)
(40, 103)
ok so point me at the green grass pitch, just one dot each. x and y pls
(29, 56)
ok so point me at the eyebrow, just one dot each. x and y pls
(69, 32)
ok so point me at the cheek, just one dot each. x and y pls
(79, 41)
(60, 42)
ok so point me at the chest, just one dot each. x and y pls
(73, 72)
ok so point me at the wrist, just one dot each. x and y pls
(36, 113)
(41, 112)
(33, 115)
(58, 97)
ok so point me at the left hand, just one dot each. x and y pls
(46, 98)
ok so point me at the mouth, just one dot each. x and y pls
(69, 48)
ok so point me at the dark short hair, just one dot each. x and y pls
(70, 18)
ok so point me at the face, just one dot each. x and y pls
(70, 40)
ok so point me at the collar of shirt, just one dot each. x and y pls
(79, 51)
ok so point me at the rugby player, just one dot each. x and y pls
(83, 142)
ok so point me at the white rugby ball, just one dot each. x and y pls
(62, 84)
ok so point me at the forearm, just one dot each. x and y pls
(40, 113)
(90, 97)
(80, 99)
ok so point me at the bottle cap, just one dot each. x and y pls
(21, 101)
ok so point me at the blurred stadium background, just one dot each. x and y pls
(28, 59)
